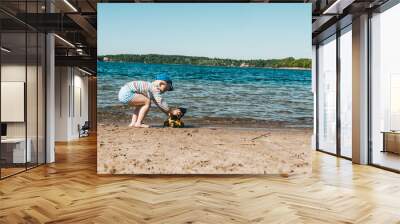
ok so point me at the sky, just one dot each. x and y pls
(236, 31)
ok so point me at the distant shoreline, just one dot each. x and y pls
(282, 63)
(280, 68)
(292, 68)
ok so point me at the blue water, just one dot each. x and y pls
(219, 92)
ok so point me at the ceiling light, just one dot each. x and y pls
(86, 72)
(65, 41)
(70, 5)
(338, 6)
(5, 50)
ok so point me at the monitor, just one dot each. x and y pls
(3, 129)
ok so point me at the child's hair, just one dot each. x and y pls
(164, 77)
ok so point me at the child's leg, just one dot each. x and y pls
(142, 114)
(134, 116)
(142, 106)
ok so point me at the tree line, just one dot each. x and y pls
(289, 62)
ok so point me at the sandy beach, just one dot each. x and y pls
(203, 150)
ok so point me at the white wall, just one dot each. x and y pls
(14, 72)
(33, 126)
(69, 82)
(17, 73)
(62, 81)
(79, 117)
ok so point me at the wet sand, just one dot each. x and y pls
(203, 150)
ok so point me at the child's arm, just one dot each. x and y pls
(160, 102)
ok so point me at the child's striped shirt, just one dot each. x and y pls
(149, 90)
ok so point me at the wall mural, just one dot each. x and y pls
(204, 89)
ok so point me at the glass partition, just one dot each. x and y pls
(14, 153)
(35, 87)
(32, 97)
(346, 92)
(22, 77)
(327, 97)
(385, 89)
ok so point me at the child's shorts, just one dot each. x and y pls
(125, 94)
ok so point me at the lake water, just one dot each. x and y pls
(261, 94)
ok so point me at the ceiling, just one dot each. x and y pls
(74, 22)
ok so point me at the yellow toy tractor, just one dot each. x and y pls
(175, 121)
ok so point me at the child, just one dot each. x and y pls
(139, 95)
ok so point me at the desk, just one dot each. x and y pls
(391, 141)
(13, 150)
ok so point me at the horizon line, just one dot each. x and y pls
(200, 56)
